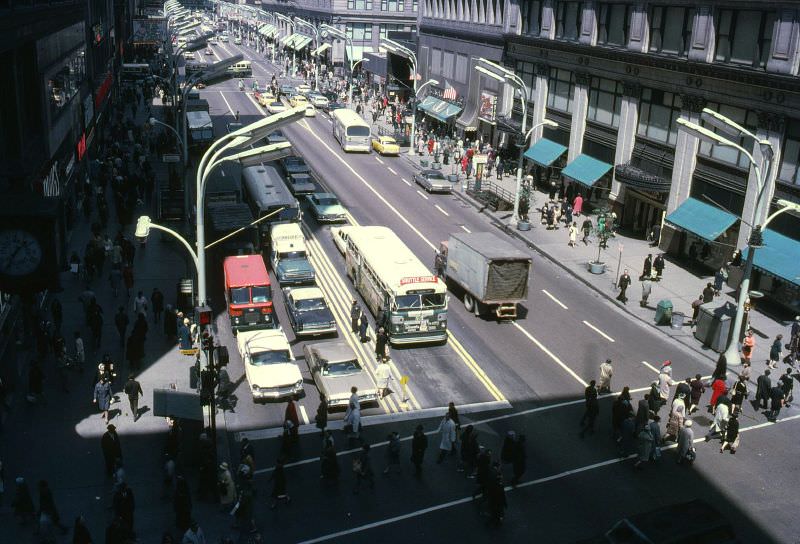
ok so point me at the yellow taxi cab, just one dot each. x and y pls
(298, 100)
(311, 111)
(264, 98)
(385, 145)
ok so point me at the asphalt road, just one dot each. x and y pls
(545, 358)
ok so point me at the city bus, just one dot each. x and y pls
(396, 286)
(265, 192)
(248, 294)
(351, 130)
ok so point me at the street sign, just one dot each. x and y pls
(170, 157)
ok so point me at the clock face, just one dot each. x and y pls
(20, 252)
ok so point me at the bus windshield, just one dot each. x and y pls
(275, 357)
(416, 302)
(240, 295)
(261, 293)
(358, 131)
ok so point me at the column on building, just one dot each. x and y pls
(626, 133)
(686, 147)
(770, 128)
(539, 101)
(580, 105)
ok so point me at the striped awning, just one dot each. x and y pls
(300, 42)
(287, 40)
(321, 49)
(267, 31)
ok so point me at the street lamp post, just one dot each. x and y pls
(393, 47)
(755, 241)
(316, 32)
(290, 22)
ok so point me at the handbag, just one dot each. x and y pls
(691, 454)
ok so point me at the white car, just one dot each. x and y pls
(237, 41)
(311, 111)
(276, 107)
(269, 365)
(318, 100)
(223, 38)
(303, 88)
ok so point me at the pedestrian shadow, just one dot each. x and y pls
(113, 413)
(142, 411)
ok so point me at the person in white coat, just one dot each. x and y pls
(383, 375)
(447, 437)
(720, 423)
(665, 381)
(352, 419)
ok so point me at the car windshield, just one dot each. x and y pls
(340, 368)
(327, 201)
(388, 140)
(291, 255)
(358, 131)
(276, 104)
(270, 357)
(435, 175)
(301, 178)
(240, 295)
(309, 304)
(261, 293)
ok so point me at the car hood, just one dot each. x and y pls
(294, 265)
(312, 317)
(339, 386)
(304, 186)
(325, 209)
(274, 375)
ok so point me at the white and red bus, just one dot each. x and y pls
(248, 293)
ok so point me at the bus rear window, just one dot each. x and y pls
(240, 295)
(358, 131)
(261, 293)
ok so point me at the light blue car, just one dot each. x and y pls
(325, 207)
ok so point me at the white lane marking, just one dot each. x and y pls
(378, 159)
(465, 229)
(551, 355)
(441, 210)
(389, 168)
(230, 109)
(554, 299)
(423, 195)
(598, 331)
(651, 367)
(508, 489)
(303, 414)
(406, 181)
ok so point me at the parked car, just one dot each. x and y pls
(385, 145)
(294, 165)
(308, 310)
(433, 180)
(301, 183)
(298, 100)
(237, 41)
(269, 365)
(223, 38)
(311, 111)
(209, 51)
(335, 369)
(326, 208)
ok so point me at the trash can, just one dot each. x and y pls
(663, 312)
(677, 320)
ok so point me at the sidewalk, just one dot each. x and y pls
(678, 285)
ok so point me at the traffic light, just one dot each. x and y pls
(204, 315)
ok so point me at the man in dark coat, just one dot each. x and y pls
(124, 504)
(112, 450)
(419, 443)
(496, 499)
(787, 383)
(592, 408)
(133, 390)
(121, 321)
(763, 387)
(708, 293)
(647, 268)
(157, 300)
(381, 339)
(622, 284)
(684, 388)
(355, 314)
(658, 265)
(777, 399)
(363, 325)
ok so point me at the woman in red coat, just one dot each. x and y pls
(719, 388)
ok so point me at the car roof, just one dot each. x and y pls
(324, 195)
(305, 293)
(262, 340)
(333, 352)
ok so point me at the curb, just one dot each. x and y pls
(482, 209)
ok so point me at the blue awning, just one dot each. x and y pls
(545, 152)
(439, 109)
(706, 221)
(778, 256)
(586, 170)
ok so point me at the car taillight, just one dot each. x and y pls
(266, 309)
(236, 313)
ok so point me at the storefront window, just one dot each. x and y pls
(658, 113)
(64, 83)
(560, 89)
(729, 155)
(605, 101)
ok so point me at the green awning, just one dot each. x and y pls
(586, 170)
(287, 40)
(267, 30)
(778, 256)
(300, 42)
(321, 49)
(545, 152)
(706, 221)
(439, 109)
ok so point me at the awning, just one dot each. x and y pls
(439, 109)
(635, 177)
(545, 152)
(706, 221)
(300, 42)
(287, 40)
(358, 51)
(267, 31)
(778, 256)
(586, 170)
(321, 49)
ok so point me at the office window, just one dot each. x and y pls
(568, 20)
(789, 171)
(448, 64)
(392, 5)
(531, 13)
(658, 113)
(744, 36)
(671, 30)
(527, 72)
(436, 61)
(64, 84)
(605, 101)
(415, 6)
(560, 89)
(462, 68)
(359, 32)
(385, 28)
(729, 155)
(359, 5)
(613, 24)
